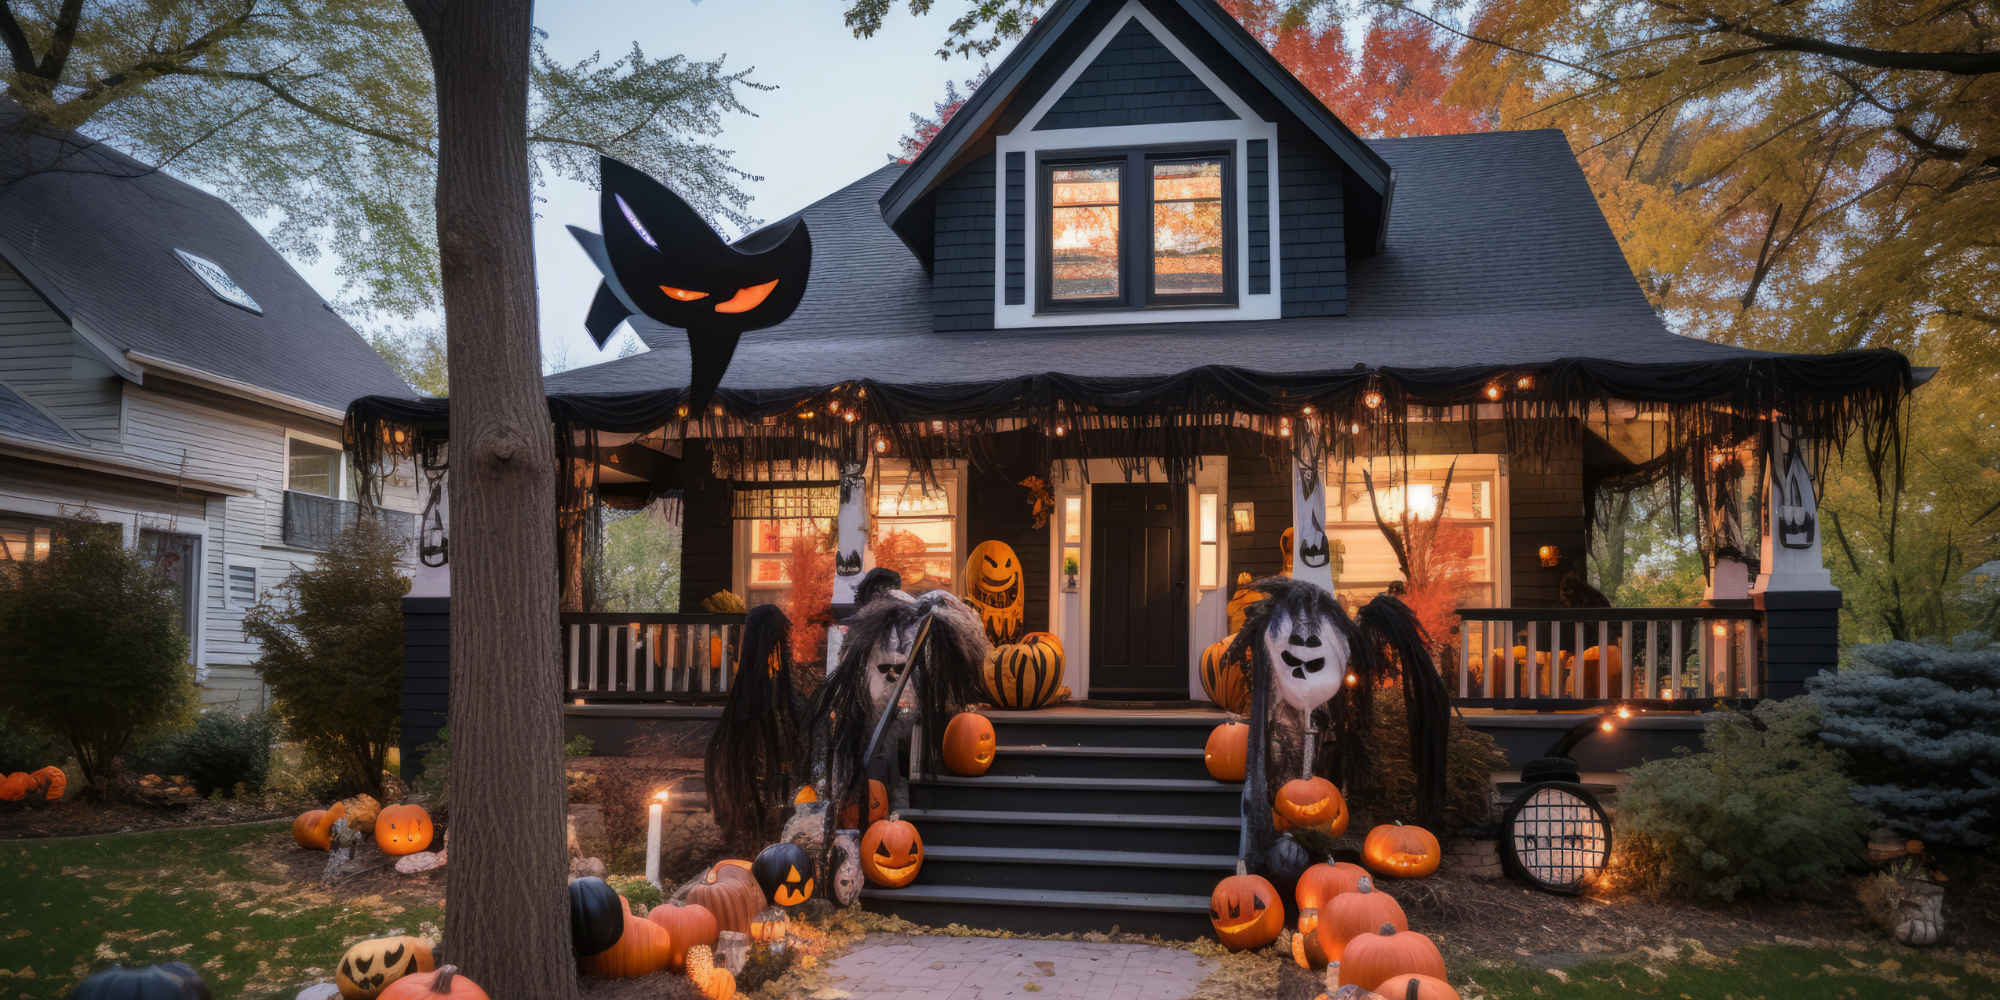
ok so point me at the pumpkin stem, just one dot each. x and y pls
(441, 980)
(1242, 867)
(1410, 992)
(1364, 884)
(1388, 930)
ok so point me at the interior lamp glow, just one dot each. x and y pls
(1550, 555)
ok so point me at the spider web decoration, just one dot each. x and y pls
(1555, 837)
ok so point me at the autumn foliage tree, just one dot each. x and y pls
(1400, 84)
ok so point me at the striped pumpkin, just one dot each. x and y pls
(1026, 675)
(1224, 680)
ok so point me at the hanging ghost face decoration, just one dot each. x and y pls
(1310, 548)
(1308, 659)
(1798, 517)
(660, 259)
(850, 534)
(995, 585)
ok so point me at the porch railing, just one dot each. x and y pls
(631, 657)
(1553, 658)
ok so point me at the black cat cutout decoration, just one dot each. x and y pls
(660, 259)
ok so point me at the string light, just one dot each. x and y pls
(1354, 428)
(1308, 411)
(805, 415)
(1061, 430)
(401, 437)
(1719, 629)
(1493, 391)
(1718, 459)
(881, 445)
(848, 416)
(1624, 712)
(1352, 680)
(1371, 399)
(681, 411)
(833, 406)
(1284, 427)
(1526, 382)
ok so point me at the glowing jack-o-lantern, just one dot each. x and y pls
(1313, 803)
(370, 966)
(403, 829)
(1401, 851)
(313, 830)
(891, 853)
(969, 744)
(878, 807)
(1246, 911)
(785, 873)
(995, 585)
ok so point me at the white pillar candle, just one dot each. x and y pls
(653, 812)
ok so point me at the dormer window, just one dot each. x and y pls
(1137, 229)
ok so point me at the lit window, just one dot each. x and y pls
(1084, 263)
(21, 542)
(915, 532)
(1406, 495)
(1211, 565)
(313, 469)
(219, 281)
(1187, 229)
(1072, 553)
(1135, 229)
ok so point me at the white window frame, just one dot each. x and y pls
(340, 473)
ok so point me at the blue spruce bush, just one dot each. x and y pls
(1920, 723)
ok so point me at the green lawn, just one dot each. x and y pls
(1768, 972)
(69, 907)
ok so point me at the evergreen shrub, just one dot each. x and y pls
(221, 751)
(1762, 808)
(1920, 723)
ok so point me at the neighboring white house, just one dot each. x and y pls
(164, 368)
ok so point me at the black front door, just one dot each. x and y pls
(1138, 592)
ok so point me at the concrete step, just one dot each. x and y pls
(1105, 729)
(1140, 872)
(1148, 796)
(1077, 831)
(1099, 762)
(1043, 910)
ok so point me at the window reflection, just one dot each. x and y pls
(1187, 228)
(1084, 241)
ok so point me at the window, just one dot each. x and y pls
(1179, 253)
(313, 468)
(243, 585)
(1463, 548)
(176, 557)
(24, 541)
(1211, 564)
(915, 531)
(1072, 550)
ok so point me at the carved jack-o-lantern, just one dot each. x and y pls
(878, 808)
(891, 853)
(995, 585)
(969, 744)
(403, 829)
(785, 873)
(1313, 803)
(1401, 851)
(1246, 911)
(370, 966)
(313, 829)
(1308, 659)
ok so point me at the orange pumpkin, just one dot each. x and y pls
(1384, 954)
(1027, 675)
(878, 808)
(1415, 986)
(1047, 638)
(1239, 605)
(444, 984)
(1312, 802)
(1401, 851)
(1225, 680)
(314, 829)
(969, 744)
(1519, 665)
(686, 926)
(1305, 944)
(713, 982)
(1355, 913)
(732, 894)
(1246, 911)
(401, 830)
(1615, 668)
(15, 787)
(1227, 751)
(806, 794)
(642, 950)
(1322, 882)
(50, 782)
(891, 853)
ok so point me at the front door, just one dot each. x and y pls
(1138, 592)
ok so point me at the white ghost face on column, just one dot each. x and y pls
(1308, 660)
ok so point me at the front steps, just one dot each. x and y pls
(1088, 820)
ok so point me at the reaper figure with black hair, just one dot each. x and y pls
(758, 751)
(1302, 647)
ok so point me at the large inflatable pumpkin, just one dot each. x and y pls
(996, 586)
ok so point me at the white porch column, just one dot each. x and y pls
(851, 557)
(1790, 557)
(1311, 553)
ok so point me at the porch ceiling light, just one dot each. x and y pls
(881, 445)
(1719, 629)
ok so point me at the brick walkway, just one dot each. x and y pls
(921, 967)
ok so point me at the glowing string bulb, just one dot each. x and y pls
(1061, 430)
(1605, 725)
(401, 437)
(1493, 390)
(1624, 712)
(1354, 428)
(681, 411)
(1719, 629)
(1308, 411)
(1371, 399)
(833, 406)
(881, 445)
(1284, 427)
(805, 415)
(1352, 680)
(848, 416)
(1526, 382)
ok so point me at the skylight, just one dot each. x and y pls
(219, 281)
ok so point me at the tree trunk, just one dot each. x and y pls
(508, 923)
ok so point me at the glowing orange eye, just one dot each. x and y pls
(682, 294)
(747, 299)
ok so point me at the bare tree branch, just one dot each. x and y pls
(17, 41)
(1957, 63)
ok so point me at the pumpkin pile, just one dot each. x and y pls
(678, 935)
(1345, 921)
(33, 788)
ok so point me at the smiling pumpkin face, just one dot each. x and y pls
(1246, 912)
(969, 744)
(892, 854)
(785, 873)
(996, 587)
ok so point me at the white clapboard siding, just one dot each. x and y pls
(35, 351)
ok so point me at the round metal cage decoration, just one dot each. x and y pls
(1555, 836)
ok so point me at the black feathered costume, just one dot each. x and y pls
(758, 752)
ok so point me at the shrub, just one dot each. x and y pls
(333, 653)
(1762, 808)
(220, 751)
(27, 748)
(1920, 723)
(435, 781)
(1387, 788)
(91, 645)
(581, 746)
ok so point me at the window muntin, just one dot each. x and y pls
(1085, 264)
(1471, 540)
(916, 531)
(312, 468)
(1188, 243)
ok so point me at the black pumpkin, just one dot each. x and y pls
(170, 981)
(596, 916)
(785, 873)
(1284, 864)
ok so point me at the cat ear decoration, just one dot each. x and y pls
(660, 259)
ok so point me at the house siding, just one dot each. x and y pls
(1311, 237)
(708, 535)
(962, 269)
(1545, 507)
(1255, 478)
(36, 348)
(1134, 81)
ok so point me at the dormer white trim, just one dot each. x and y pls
(1237, 134)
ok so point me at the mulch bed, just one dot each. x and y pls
(371, 873)
(79, 817)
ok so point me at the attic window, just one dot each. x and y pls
(1134, 230)
(219, 281)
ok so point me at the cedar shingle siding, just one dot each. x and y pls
(1311, 240)
(1017, 244)
(962, 270)
(1257, 165)
(1135, 81)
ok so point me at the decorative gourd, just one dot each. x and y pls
(1322, 882)
(1225, 679)
(596, 916)
(1314, 803)
(785, 874)
(969, 744)
(1227, 751)
(1351, 914)
(370, 966)
(1026, 676)
(995, 585)
(1414, 986)
(361, 812)
(1246, 911)
(713, 982)
(1384, 954)
(50, 783)
(891, 852)
(878, 807)
(1401, 851)
(643, 949)
(167, 981)
(15, 787)
(401, 830)
(314, 829)
(731, 894)
(686, 925)
(1239, 605)
(444, 984)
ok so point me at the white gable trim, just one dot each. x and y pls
(1024, 139)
